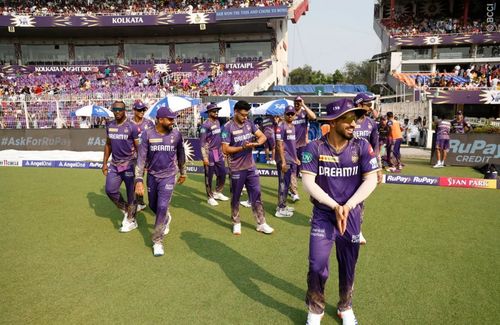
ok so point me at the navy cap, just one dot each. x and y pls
(165, 112)
(138, 104)
(212, 106)
(340, 107)
(363, 98)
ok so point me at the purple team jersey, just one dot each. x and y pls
(210, 138)
(300, 123)
(122, 142)
(163, 153)
(286, 133)
(145, 124)
(368, 130)
(268, 125)
(459, 126)
(443, 130)
(339, 174)
(235, 135)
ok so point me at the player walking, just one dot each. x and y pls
(442, 142)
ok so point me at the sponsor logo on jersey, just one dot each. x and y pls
(306, 157)
(332, 159)
(156, 140)
(237, 132)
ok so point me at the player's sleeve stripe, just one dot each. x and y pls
(371, 172)
(308, 172)
(225, 142)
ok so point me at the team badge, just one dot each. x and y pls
(307, 157)
(354, 157)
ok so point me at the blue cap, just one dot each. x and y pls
(363, 98)
(340, 107)
(165, 112)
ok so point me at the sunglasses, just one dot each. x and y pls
(141, 109)
(348, 119)
(290, 114)
(117, 109)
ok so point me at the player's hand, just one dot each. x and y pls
(297, 162)
(182, 179)
(379, 176)
(205, 162)
(341, 221)
(139, 188)
(345, 213)
(104, 170)
(245, 145)
(284, 167)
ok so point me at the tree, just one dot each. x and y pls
(358, 73)
(337, 77)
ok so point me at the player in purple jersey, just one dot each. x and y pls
(268, 128)
(339, 171)
(213, 159)
(460, 125)
(442, 142)
(162, 150)
(238, 140)
(121, 141)
(303, 115)
(142, 124)
(287, 160)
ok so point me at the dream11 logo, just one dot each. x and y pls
(490, 17)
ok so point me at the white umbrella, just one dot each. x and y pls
(274, 107)
(94, 110)
(175, 103)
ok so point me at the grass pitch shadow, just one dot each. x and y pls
(243, 272)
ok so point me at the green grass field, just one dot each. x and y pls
(433, 256)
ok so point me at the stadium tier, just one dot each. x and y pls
(443, 54)
(58, 56)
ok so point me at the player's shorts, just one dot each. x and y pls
(443, 144)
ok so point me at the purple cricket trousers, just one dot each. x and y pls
(160, 192)
(324, 234)
(218, 169)
(284, 180)
(114, 180)
(250, 179)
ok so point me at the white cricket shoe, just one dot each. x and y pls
(237, 229)
(287, 208)
(295, 197)
(347, 317)
(128, 225)
(158, 250)
(220, 196)
(141, 207)
(212, 202)
(272, 162)
(167, 226)
(314, 319)
(265, 228)
(437, 165)
(246, 204)
(362, 239)
(283, 213)
(125, 216)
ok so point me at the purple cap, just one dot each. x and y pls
(363, 98)
(289, 109)
(298, 98)
(138, 104)
(340, 107)
(165, 112)
(459, 113)
(212, 106)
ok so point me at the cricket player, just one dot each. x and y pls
(367, 128)
(394, 140)
(142, 124)
(213, 159)
(459, 124)
(303, 115)
(287, 160)
(122, 139)
(268, 126)
(442, 142)
(339, 171)
(162, 150)
(238, 140)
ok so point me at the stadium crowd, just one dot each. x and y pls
(408, 25)
(80, 7)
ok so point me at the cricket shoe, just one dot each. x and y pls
(347, 317)
(237, 229)
(125, 216)
(264, 228)
(283, 213)
(212, 202)
(272, 162)
(220, 196)
(314, 319)
(287, 208)
(128, 225)
(158, 250)
(438, 165)
(362, 239)
(167, 226)
(141, 207)
(295, 197)
(246, 204)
